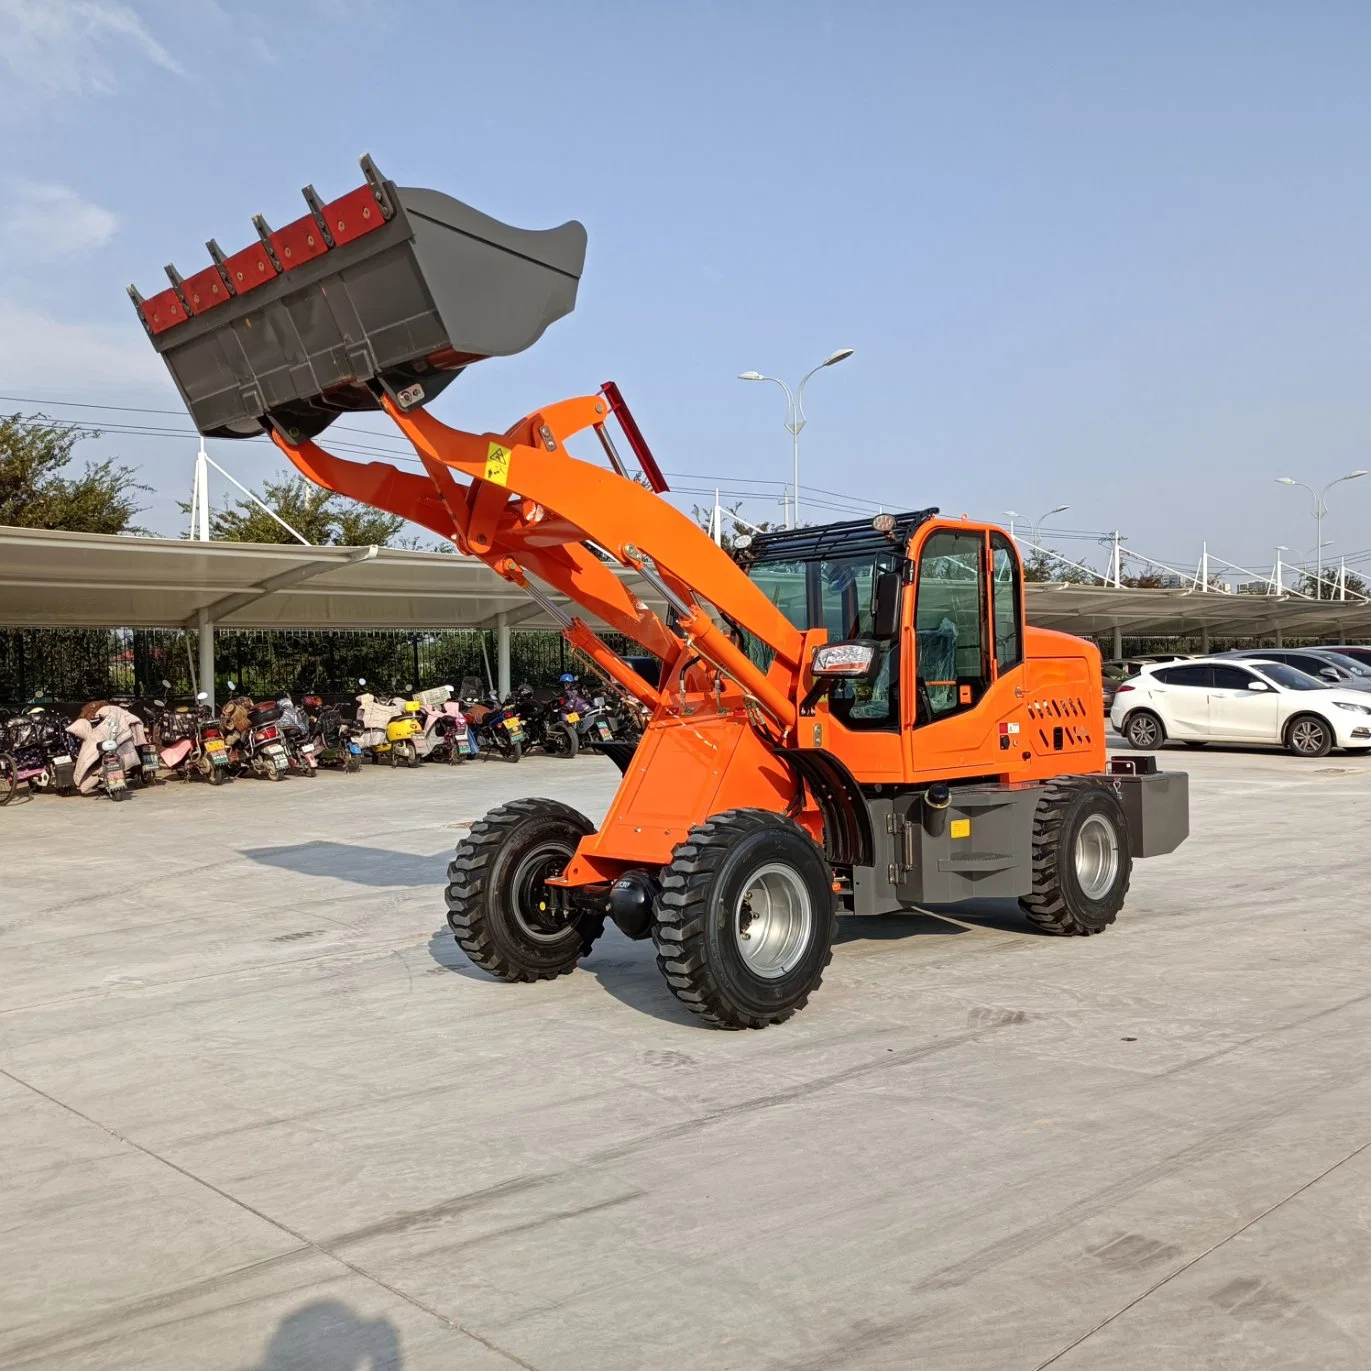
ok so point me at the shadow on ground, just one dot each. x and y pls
(372, 866)
(328, 1336)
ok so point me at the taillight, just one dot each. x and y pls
(1123, 688)
(267, 733)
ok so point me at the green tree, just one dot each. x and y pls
(1039, 566)
(1308, 584)
(36, 492)
(317, 514)
(731, 521)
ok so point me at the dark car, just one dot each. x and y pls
(1324, 664)
(1358, 653)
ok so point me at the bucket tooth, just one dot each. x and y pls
(377, 183)
(316, 208)
(265, 238)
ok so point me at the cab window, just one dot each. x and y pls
(948, 618)
(1184, 676)
(1005, 592)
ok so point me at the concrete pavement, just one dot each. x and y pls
(257, 1110)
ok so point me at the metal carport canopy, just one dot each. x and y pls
(1148, 613)
(87, 580)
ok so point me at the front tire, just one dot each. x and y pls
(568, 742)
(1144, 731)
(746, 918)
(1309, 736)
(1082, 863)
(499, 907)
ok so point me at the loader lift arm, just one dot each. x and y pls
(521, 503)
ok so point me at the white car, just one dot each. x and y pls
(1223, 700)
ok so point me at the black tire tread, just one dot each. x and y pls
(1045, 907)
(466, 888)
(679, 926)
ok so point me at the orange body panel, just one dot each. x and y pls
(527, 508)
(687, 767)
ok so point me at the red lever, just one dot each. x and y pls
(634, 434)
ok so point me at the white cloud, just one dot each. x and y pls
(57, 48)
(42, 223)
(41, 356)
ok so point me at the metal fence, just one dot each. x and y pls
(91, 664)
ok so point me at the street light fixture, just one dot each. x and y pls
(1320, 509)
(795, 414)
(1037, 527)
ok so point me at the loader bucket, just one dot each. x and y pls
(385, 290)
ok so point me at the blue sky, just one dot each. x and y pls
(1107, 255)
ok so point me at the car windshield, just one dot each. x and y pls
(1349, 664)
(1287, 676)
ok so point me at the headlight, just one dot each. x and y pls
(1356, 709)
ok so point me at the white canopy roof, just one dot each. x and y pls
(87, 580)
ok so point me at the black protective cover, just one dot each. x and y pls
(407, 307)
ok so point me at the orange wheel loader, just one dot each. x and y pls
(852, 718)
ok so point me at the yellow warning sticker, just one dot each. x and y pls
(497, 465)
(960, 828)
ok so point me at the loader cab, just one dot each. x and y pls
(951, 592)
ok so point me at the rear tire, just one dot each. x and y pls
(745, 921)
(1309, 736)
(516, 750)
(569, 743)
(499, 908)
(216, 775)
(1081, 859)
(1144, 731)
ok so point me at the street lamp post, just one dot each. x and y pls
(1320, 509)
(1038, 525)
(795, 417)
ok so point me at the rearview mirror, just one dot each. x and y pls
(1257, 685)
(1329, 673)
(203, 695)
(166, 684)
(361, 680)
(885, 606)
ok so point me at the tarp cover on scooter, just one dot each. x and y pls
(387, 286)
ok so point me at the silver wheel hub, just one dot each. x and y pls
(1308, 736)
(773, 921)
(1096, 857)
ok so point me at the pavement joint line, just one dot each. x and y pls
(285, 1228)
(1209, 1251)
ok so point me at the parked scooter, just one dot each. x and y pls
(41, 751)
(374, 717)
(190, 741)
(499, 728)
(592, 717)
(296, 731)
(254, 738)
(550, 724)
(112, 742)
(333, 737)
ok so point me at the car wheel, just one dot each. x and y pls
(1309, 736)
(1144, 731)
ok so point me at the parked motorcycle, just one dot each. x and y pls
(593, 720)
(550, 724)
(333, 737)
(296, 731)
(112, 739)
(41, 752)
(499, 729)
(255, 740)
(190, 742)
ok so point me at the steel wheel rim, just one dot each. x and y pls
(1308, 736)
(531, 901)
(1143, 730)
(1096, 856)
(773, 921)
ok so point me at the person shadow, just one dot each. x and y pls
(328, 1336)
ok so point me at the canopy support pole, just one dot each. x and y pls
(205, 630)
(502, 654)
